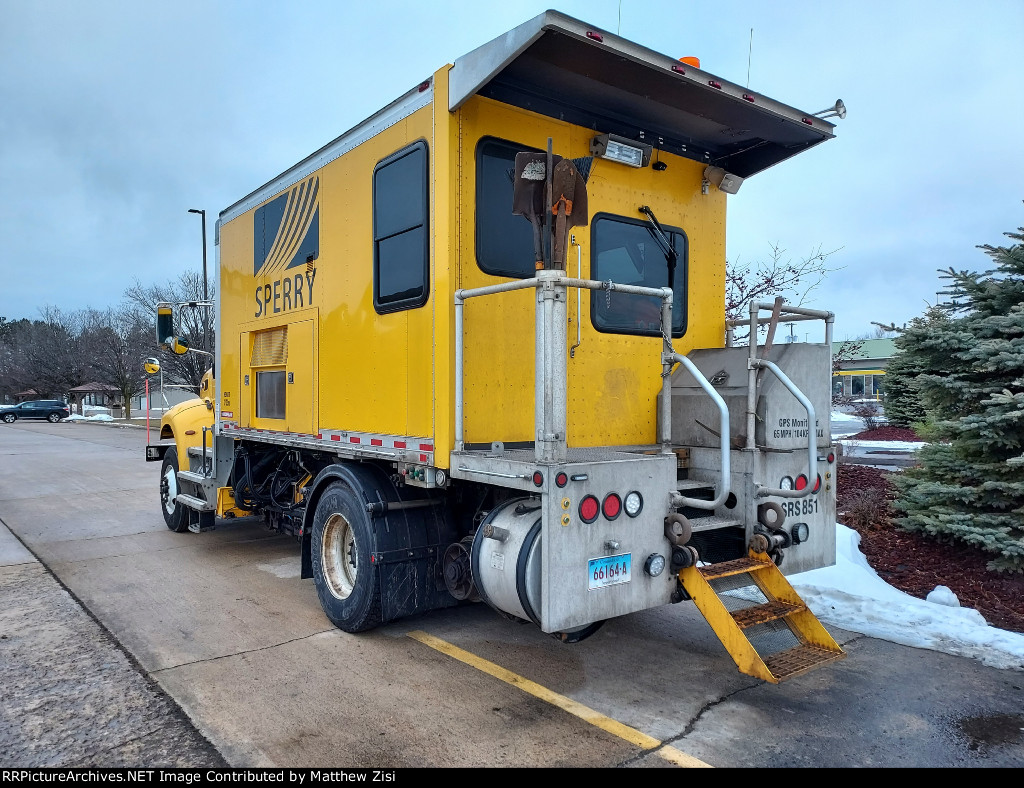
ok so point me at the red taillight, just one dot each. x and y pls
(748, 97)
(612, 506)
(801, 482)
(679, 69)
(425, 85)
(817, 483)
(595, 36)
(714, 84)
(538, 478)
(561, 479)
(589, 509)
(808, 121)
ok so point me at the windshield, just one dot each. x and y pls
(626, 251)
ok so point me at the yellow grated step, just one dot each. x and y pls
(762, 614)
(800, 659)
(736, 567)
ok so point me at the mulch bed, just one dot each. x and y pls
(886, 434)
(917, 563)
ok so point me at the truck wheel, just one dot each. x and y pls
(174, 513)
(346, 582)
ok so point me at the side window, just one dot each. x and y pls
(626, 251)
(504, 241)
(401, 248)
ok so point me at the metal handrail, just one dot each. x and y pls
(812, 435)
(462, 295)
(679, 501)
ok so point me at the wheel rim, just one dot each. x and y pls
(338, 556)
(9, 418)
(169, 489)
(54, 418)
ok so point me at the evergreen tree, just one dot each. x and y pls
(970, 377)
(903, 406)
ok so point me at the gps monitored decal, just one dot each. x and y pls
(286, 235)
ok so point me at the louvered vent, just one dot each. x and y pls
(270, 348)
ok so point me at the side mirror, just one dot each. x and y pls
(164, 325)
(177, 345)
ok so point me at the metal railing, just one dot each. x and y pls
(787, 314)
(551, 374)
(550, 371)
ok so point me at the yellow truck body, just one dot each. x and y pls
(445, 408)
(363, 375)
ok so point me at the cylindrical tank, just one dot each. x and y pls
(507, 558)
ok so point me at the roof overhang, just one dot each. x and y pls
(560, 67)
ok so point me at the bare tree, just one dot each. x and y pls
(746, 283)
(118, 341)
(193, 323)
(46, 355)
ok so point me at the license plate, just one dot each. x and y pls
(610, 570)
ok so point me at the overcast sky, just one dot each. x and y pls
(117, 117)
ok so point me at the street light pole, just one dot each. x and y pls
(206, 295)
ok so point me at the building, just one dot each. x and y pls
(860, 367)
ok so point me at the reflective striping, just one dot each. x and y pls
(416, 450)
(585, 713)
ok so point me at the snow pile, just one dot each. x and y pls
(882, 445)
(97, 417)
(850, 595)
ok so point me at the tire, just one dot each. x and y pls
(175, 514)
(10, 418)
(53, 418)
(346, 582)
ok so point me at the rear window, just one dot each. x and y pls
(626, 251)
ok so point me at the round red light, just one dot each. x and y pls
(831, 457)
(561, 480)
(817, 483)
(801, 482)
(612, 506)
(538, 478)
(589, 509)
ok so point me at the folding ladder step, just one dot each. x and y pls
(191, 476)
(800, 659)
(736, 567)
(762, 614)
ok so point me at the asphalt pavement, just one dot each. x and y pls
(212, 644)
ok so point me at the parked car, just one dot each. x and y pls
(50, 409)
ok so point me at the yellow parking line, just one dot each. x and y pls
(631, 735)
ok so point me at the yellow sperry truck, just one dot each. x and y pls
(475, 349)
